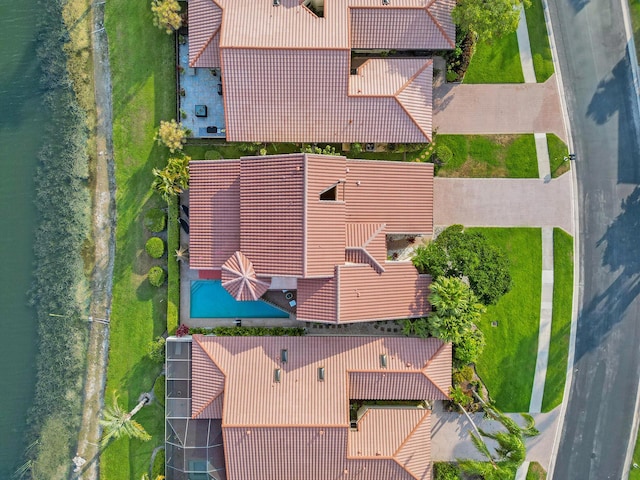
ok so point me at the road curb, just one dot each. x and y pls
(576, 241)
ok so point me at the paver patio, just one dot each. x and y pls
(503, 202)
(498, 108)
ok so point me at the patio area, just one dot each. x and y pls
(200, 97)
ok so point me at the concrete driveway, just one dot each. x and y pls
(498, 108)
(504, 202)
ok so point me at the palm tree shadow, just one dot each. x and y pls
(621, 253)
(601, 108)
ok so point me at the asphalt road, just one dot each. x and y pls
(595, 64)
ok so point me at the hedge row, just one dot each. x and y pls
(173, 268)
(250, 331)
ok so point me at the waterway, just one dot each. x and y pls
(21, 119)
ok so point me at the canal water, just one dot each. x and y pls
(22, 117)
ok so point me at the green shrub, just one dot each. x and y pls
(156, 276)
(444, 154)
(155, 247)
(158, 462)
(463, 375)
(212, 155)
(155, 220)
(469, 348)
(159, 389)
(156, 350)
(249, 331)
(173, 268)
(446, 471)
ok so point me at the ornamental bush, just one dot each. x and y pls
(155, 350)
(458, 253)
(155, 220)
(156, 276)
(155, 247)
(172, 135)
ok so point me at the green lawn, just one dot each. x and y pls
(558, 151)
(539, 40)
(508, 362)
(536, 472)
(561, 319)
(512, 156)
(634, 473)
(497, 61)
(635, 22)
(143, 85)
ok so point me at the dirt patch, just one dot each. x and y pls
(103, 220)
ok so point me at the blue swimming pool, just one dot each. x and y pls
(209, 299)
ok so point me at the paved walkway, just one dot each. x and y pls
(544, 335)
(498, 108)
(524, 46)
(503, 202)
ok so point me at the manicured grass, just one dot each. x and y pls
(635, 24)
(560, 320)
(539, 40)
(558, 151)
(143, 86)
(634, 473)
(536, 472)
(497, 61)
(508, 362)
(512, 156)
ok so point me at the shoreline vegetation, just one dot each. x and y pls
(62, 247)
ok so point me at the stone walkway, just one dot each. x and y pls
(498, 108)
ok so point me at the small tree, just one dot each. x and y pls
(173, 179)
(118, 422)
(469, 348)
(155, 247)
(172, 135)
(456, 309)
(487, 19)
(166, 15)
(156, 276)
(155, 350)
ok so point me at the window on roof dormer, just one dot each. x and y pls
(330, 194)
(315, 6)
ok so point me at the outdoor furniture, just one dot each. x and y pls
(293, 303)
(212, 129)
(201, 110)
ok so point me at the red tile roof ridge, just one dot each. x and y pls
(426, 415)
(197, 337)
(289, 48)
(438, 25)
(193, 62)
(377, 266)
(284, 426)
(437, 353)
(202, 409)
(413, 77)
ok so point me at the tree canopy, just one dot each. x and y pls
(166, 15)
(487, 18)
(172, 179)
(459, 253)
(171, 134)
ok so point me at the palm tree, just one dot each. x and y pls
(182, 254)
(117, 422)
(173, 179)
(456, 309)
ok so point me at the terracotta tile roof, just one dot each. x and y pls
(300, 427)
(405, 28)
(205, 19)
(364, 295)
(240, 280)
(214, 203)
(272, 214)
(398, 194)
(286, 72)
(306, 216)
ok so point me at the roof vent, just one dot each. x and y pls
(321, 374)
(383, 360)
(385, 2)
(276, 3)
(284, 355)
(276, 375)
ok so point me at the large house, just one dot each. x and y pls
(317, 70)
(300, 408)
(314, 225)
